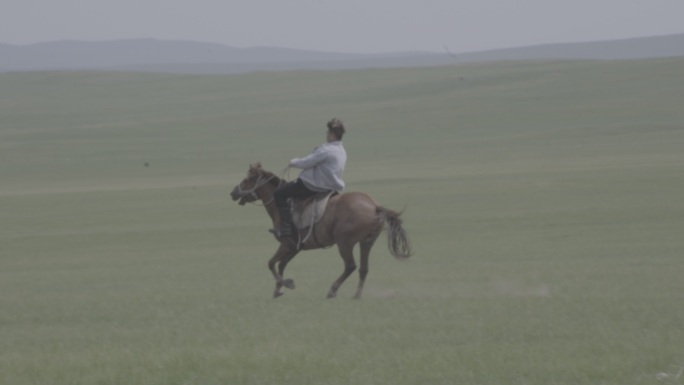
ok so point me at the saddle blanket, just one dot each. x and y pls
(307, 212)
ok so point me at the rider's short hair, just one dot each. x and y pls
(336, 127)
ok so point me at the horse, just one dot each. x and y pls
(349, 219)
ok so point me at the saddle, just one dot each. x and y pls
(309, 211)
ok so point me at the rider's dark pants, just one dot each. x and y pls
(295, 189)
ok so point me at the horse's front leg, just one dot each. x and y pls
(282, 256)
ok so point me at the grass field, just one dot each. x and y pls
(544, 202)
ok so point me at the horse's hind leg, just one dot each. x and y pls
(347, 254)
(281, 257)
(366, 246)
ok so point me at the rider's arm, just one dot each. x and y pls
(311, 160)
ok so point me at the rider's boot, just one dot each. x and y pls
(285, 227)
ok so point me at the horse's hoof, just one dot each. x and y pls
(277, 294)
(289, 283)
(331, 295)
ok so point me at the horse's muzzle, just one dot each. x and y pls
(235, 195)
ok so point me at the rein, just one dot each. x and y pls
(261, 181)
(252, 192)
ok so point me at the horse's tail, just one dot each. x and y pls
(397, 239)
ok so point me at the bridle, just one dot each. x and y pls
(252, 192)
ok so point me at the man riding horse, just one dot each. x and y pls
(321, 172)
(349, 219)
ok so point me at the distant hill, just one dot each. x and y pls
(150, 55)
(637, 48)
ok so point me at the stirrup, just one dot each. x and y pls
(278, 234)
(274, 232)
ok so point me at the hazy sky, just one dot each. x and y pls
(342, 25)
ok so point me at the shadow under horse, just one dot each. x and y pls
(349, 218)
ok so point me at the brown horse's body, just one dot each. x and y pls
(349, 219)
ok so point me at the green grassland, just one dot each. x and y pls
(544, 201)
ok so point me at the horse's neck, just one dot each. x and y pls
(266, 196)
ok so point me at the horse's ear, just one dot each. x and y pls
(254, 168)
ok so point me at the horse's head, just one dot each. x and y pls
(245, 191)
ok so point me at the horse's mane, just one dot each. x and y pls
(258, 170)
(272, 178)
